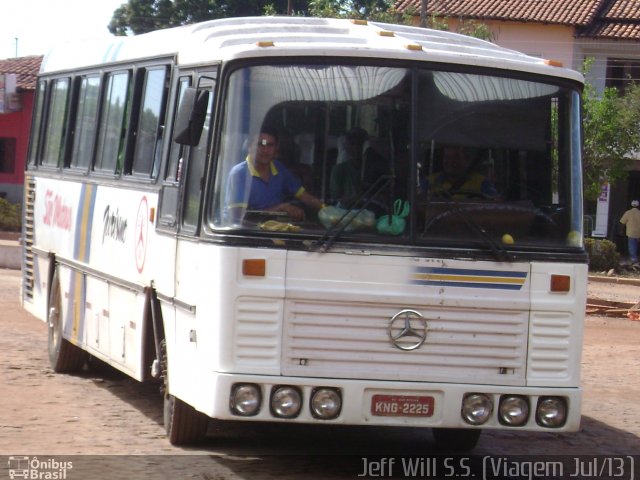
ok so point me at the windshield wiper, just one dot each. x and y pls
(331, 235)
(499, 252)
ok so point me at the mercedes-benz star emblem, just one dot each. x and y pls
(407, 330)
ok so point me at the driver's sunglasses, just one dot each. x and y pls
(265, 143)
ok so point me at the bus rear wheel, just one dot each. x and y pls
(456, 439)
(64, 356)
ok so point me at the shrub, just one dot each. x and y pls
(10, 216)
(603, 254)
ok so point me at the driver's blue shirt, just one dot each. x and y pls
(246, 189)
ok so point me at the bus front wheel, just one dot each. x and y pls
(64, 356)
(183, 423)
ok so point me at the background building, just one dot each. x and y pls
(568, 31)
(17, 89)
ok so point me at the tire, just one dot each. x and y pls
(456, 439)
(64, 356)
(183, 423)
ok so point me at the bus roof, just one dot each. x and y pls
(249, 37)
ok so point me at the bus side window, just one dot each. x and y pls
(198, 155)
(175, 154)
(169, 199)
(112, 123)
(86, 121)
(55, 129)
(36, 128)
(150, 126)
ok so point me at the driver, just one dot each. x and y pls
(263, 183)
(456, 180)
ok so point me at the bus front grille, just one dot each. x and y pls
(352, 341)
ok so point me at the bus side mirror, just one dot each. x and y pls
(191, 116)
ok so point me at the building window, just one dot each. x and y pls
(621, 73)
(7, 155)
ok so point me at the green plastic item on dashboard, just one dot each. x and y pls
(394, 224)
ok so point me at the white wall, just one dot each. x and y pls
(600, 51)
(553, 42)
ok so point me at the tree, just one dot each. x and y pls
(472, 28)
(141, 16)
(611, 126)
(360, 9)
(423, 13)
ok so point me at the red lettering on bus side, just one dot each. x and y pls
(56, 214)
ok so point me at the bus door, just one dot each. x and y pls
(180, 199)
(180, 212)
(191, 171)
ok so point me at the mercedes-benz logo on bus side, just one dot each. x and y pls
(407, 330)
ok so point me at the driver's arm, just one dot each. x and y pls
(311, 201)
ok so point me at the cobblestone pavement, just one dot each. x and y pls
(102, 412)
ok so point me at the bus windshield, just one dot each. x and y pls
(400, 154)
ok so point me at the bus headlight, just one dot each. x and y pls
(551, 412)
(245, 399)
(325, 403)
(513, 410)
(286, 401)
(476, 408)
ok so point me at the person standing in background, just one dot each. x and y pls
(631, 220)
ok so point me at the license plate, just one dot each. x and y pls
(401, 406)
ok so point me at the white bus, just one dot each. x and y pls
(359, 278)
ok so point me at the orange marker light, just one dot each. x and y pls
(560, 283)
(254, 267)
(554, 63)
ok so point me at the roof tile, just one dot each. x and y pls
(613, 30)
(26, 68)
(624, 10)
(605, 19)
(618, 20)
(566, 12)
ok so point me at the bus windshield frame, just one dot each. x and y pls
(519, 132)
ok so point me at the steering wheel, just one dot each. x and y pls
(467, 194)
(488, 207)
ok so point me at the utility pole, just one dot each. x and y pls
(16, 39)
(423, 13)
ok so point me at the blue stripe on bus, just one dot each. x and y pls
(84, 223)
(496, 286)
(469, 271)
(468, 278)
